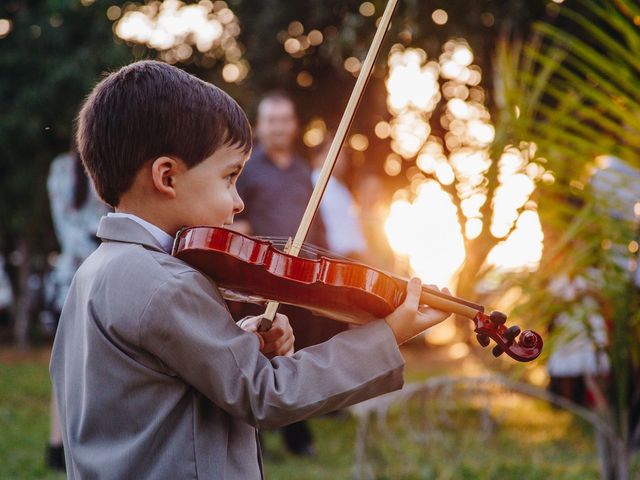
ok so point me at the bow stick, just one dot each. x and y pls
(330, 161)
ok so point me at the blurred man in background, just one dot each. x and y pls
(276, 187)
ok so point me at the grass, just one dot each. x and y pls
(522, 439)
(24, 421)
(530, 441)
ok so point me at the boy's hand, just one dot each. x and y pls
(411, 318)
(278, 341)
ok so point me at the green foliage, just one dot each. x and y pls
(52, 57)
(580, 84)
(577, 91)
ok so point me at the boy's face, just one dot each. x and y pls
(206, 194)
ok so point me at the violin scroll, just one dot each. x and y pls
(523, 346)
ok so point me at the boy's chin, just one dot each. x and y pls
(209, 222)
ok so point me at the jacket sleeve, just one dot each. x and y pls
(187, 326)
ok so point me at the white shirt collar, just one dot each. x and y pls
(164, 239)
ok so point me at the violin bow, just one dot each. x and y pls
(295, 246)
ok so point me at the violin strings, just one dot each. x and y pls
(315, 250)
(307, 248)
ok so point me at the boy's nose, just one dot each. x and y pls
(238, 204)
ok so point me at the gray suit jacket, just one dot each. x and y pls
(155, 380)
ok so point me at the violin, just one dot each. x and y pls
(246, 268)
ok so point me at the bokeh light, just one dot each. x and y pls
(297, 44)
(359, 142)
(352, 65)
(439, 17)
(314, 133)
(175, 29)
(304, 79)
(393, 165)
(5, 27)
(114, 12)
(367, 9)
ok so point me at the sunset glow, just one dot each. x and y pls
(434, 244)
(423, 223)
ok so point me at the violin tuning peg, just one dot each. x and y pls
(497, 351)
(527, 339)
(498, 318)
(482, 339)
(512, 332)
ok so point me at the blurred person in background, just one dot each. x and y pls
(578, 362)
(579, 365)
(6, 293)
(276, 187)
(76, 212)
(338, 210)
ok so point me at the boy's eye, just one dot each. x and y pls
(233, 175)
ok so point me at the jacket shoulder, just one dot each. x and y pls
(135, 267)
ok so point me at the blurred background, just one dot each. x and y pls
(496, 152)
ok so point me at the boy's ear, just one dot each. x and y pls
(163, 173)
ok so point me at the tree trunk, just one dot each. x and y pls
(477, 251)
(23, 298)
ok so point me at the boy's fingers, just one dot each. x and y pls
(272, 346)
(280, 320)
(280, 346)
(414, 289)
(276, 348)
(279, 338)
(287, 348)
(432, 316)
(273, 334)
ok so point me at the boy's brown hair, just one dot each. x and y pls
(148, 110)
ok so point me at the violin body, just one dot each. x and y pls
(249, 269)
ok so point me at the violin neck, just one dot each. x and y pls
(451, 298)
(448, 303)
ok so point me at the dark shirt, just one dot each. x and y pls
(275, 199)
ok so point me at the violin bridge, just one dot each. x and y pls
(288, 245)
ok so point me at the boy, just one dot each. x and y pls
(153, 378)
